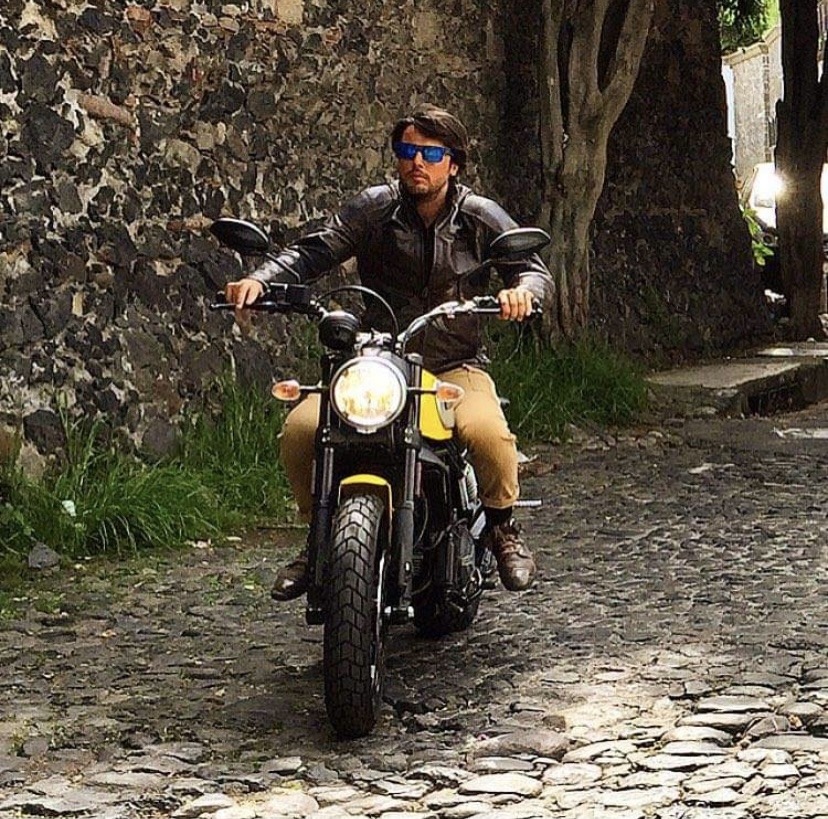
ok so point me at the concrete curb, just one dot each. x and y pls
(769, 380)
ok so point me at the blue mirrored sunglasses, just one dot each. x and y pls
(431, 153)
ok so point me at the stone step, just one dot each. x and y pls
(772, 379)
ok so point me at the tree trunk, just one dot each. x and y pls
(590, 54)
(672, 276)
(802, 117)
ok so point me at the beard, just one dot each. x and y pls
(424, 190)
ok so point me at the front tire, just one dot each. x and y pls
(353, 653)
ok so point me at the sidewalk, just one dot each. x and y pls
(772, 379)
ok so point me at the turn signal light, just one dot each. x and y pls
(286, 390)
(448, 393)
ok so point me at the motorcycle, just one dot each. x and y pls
(396, 527)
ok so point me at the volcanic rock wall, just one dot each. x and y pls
(128, 127)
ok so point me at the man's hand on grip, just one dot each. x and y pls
(243, 292)
(515, 303)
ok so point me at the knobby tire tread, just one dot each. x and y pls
(351, 644)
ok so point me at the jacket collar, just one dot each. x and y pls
(406, 214)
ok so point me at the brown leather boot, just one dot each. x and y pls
(515, 563)
(292, 581)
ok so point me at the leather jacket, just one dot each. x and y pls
(414, 267)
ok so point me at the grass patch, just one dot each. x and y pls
(583, 383)
(233, 448)
(100, 499)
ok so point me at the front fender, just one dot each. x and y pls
(367, 484)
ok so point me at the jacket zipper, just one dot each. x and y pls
(427, 247)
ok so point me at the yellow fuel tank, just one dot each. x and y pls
(436, 417)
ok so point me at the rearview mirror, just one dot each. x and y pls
(518, 242)
(241, 236)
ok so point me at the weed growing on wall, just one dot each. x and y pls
(760, 250)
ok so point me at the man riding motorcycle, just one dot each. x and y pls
(413, 241)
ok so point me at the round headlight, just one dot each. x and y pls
(368, 393)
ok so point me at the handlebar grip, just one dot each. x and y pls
(278, 297)
(490, 304)
(260, 305)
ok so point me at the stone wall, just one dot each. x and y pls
(127, 127)
(757, 85)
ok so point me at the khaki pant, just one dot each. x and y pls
(480, 426)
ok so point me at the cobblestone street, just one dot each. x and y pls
(671, 662)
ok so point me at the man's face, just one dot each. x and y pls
(425, 180)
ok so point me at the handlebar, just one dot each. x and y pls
(296, 298)
(480, 305)
(277, 298)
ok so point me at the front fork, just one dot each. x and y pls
(402, 527)
(322, 515)
(402, 524)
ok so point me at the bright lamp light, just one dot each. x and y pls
(368, 393)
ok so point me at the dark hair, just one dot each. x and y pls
(437, 123)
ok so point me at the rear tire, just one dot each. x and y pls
(353, 652)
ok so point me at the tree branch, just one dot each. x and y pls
(552, 125)
(624, 69)
(587, 21)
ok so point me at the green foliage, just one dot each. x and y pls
(99, 499)
(760, 250)
(580, 383)
(744, 22)
(19, 501)
(234, 451)
(302, 352)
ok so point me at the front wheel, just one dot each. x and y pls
(353, 654)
